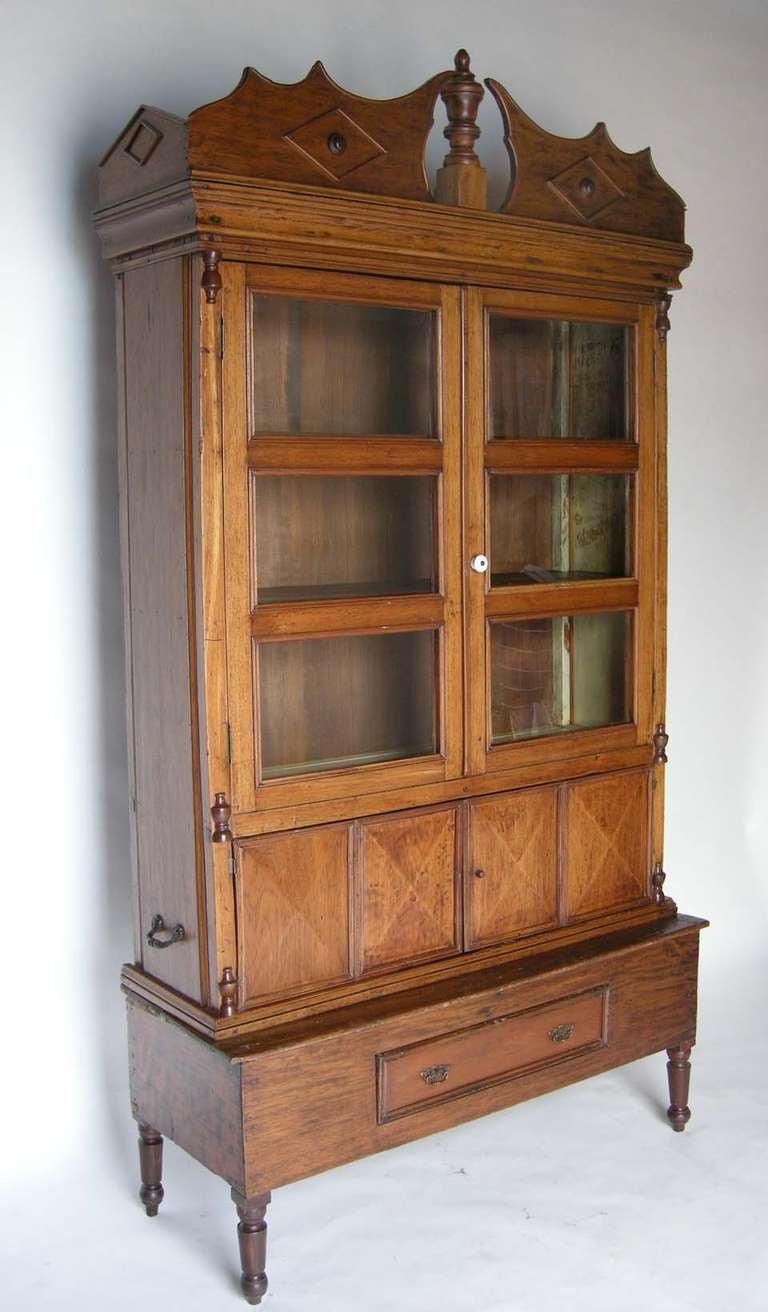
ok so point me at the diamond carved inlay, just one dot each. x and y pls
(335, 143)
(586, 188)
(143, 142)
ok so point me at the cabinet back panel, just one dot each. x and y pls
(159, 671)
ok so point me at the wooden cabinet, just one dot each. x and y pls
(408, 895)
(512, 872)
(293, 899)
(393, 522)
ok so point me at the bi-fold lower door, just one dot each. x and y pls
(560, 496)
(341, 436)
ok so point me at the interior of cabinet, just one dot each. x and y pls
(341, 368)
(556, 674)
(318, 536)
(548, 528)
(557, 379)
(336, 702)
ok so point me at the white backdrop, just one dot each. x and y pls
(688, 76)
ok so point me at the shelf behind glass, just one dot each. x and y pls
(559, 528)
(319, 536)
(556, 379)
(333, 703)
(342, 369)
(557, 675)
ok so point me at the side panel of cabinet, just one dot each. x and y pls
(606, 843)
(293, 895)
(407, 874)
(154, 460)
(512, 872)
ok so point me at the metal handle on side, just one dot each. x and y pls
(159, 926)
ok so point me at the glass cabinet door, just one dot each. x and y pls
(559, 519)
(341, 464)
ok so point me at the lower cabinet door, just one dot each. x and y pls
(511, 886)
(606, 843)
(407, 875)
(293, 899)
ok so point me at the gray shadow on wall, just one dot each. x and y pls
(111, 943)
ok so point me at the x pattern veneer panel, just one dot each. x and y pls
(293, 910)
(407, 874)
(607, 857)
(512, 877)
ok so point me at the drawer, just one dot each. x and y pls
(463, 1062)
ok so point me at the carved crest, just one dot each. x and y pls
(315, 132)
(586, 180)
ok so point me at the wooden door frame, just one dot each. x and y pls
(439, 456)
(481, 457)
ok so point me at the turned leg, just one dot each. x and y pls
(151, 1162)
(679, 1072)
(252, 1237)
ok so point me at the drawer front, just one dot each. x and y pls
(447, 1067)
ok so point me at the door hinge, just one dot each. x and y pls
(229, 742)
(232, 862)
(220, 350)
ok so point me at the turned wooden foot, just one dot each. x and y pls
(679, 1072)
(151, 1163)
(252, 1237)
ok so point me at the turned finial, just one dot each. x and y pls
(228, 992)
(461, 180)
(461, 96)
(211, 280)
(220, 813)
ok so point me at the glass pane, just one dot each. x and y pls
(551, 528)
(343, 369)
(331, 703)
(557, 379)
(350, 536)
(551, 675)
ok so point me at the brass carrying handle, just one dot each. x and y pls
(158, 925)
(562, 1032)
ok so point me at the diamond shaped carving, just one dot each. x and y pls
(335, 143)
(586, 188)
(143, 142)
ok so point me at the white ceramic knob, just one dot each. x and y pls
(479, 564)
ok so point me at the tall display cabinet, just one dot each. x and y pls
(393, 523)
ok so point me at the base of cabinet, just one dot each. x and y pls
(307, 1095)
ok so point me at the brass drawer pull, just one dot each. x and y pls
(157, 926)
(434, 1074)
(562, 1032)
